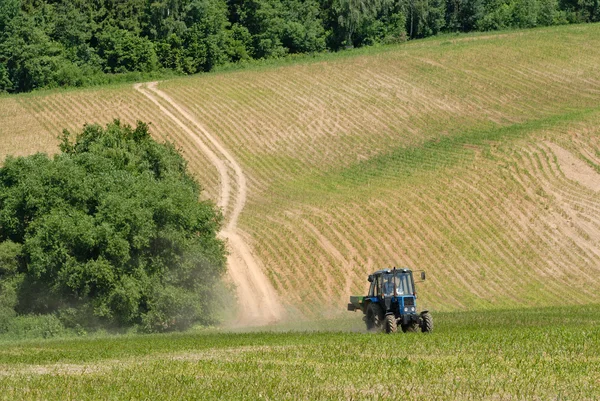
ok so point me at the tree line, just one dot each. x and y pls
(51, 43)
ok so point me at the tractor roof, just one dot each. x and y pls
(387, 271)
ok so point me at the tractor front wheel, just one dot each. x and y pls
(426, 323)
(390, 324)
(374, 317)
(411, 327)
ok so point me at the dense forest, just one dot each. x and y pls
(50, 43)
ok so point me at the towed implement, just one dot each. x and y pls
(392, 303)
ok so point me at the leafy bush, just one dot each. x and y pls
(102, 231)
(36, 326)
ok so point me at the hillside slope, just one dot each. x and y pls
(476, 158)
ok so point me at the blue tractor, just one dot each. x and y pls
(391, 303)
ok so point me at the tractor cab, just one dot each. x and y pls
(391, 283)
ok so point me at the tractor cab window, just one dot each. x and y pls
(389, 285)
(374, 289)
(397, 284)
(393, 285)
(405, 283)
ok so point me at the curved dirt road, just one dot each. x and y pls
(257, 299)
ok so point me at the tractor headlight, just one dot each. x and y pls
(412, 309)
(405, 309)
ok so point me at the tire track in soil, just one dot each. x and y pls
(258, 303)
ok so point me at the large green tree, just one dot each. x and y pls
(110, 232)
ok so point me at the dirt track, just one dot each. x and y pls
(257, 299)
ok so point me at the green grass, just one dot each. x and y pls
(549, 353)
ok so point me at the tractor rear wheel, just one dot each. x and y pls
(390, 324)
(426, 323)
(374, 317)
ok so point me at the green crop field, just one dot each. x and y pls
(544, 354)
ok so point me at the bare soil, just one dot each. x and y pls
(575, 169)
(257, 299)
